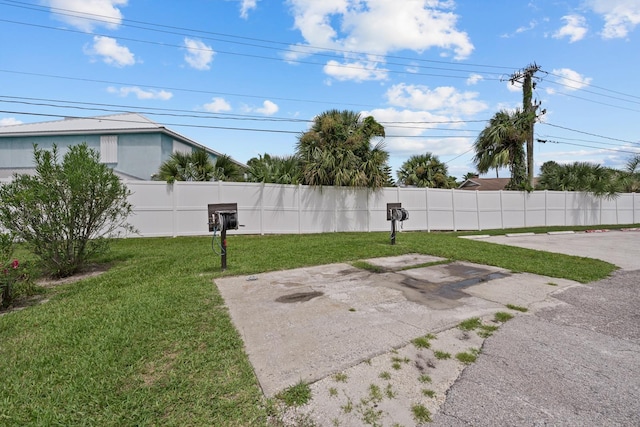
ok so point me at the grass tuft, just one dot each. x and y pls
(428, 393)
(442, 355)
(470, 324)
(421, 342)
(502, 316)
(385, 375)
(467, 357)
(517, 308)
(340, 377)
(296, 395)
(421, 414)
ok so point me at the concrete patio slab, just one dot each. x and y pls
(306, 324)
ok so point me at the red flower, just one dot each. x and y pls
(15, 264)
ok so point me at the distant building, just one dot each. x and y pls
(130, 143)
(486, 184)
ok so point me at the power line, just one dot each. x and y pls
(588, 133)
(587, 146)
(582, 83)
(247, 55)
(119, 108)
(188, 125)
(208, 92)
(308, 49)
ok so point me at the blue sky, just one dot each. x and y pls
(244, 77)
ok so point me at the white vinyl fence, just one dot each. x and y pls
(180, 209)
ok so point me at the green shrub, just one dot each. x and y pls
(65, 211)
(7, 269)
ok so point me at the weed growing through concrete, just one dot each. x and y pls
(375, 395)
(369, 267)
(388, 391)
(470, 324)
(397, 360)
(421, 414)
(442, 355)
(424, 378)
(296, 395)
(347, 407)
(552, 284)
(487, 330)
(352, 309)
(385, 375)
(367, 408)
(517, 308)
(333, 392)
(502, 317)
(421, 342)
(428, 393)
(340, 377)
(335, 422)
(468, 357)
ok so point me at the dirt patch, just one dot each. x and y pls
(91, 270)
(21, 303)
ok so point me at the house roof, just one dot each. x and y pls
(114, 123)
(484, 184)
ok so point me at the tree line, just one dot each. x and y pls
(342, 148)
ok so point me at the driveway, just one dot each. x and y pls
(572, 359)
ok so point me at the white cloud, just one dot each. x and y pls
(141, 93)
(575, 28)
(514, 86)
(78, 13)
(474, 79)
(445, 99)
(268, 108)
(378, 27)
(199, 55)
(569, 79)
(110, 51)
(620, 16)
(217, 105)
(412, 132)
(357, 71)
(246, 6)
(9, 121)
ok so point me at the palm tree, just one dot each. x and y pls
(425, 170)
(337, 150)
(630, 177)
(197, 166)
(501, 143)
(274, 169)
(225, 169)
(580, 176)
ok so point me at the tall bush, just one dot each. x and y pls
(6, 267)
(67, 209)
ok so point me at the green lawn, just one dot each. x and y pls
(150, 341)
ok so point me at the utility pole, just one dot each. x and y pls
(526, 77)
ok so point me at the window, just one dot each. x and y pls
(109, 149)
(180, 147)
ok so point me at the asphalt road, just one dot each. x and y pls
(577, 364)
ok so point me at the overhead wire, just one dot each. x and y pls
(308, 49)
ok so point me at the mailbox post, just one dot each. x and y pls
(223, 217)
(395, 213)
